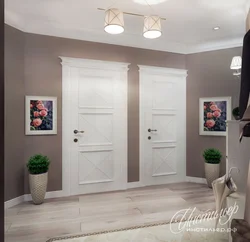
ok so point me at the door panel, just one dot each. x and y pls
(98, 111)
(164, 160)
(163, 93)
(98, 94)
(99, 127)
(95, 166)
(163, 104)
(166, 127)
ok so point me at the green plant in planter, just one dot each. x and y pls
(212, 156)
(236, 113)
(38, 164)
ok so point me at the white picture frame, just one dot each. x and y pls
(40, 115)
(212, 121)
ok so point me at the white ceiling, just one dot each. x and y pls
(188, 28)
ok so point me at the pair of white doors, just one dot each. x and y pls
(95, 130)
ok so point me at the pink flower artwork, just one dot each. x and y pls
(210, 123)
(37, 122)
(41, 115)
(214, 116)
(209, 115)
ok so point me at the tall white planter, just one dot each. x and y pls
(212, 172)
(38, 187)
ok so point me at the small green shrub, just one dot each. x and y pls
(236, 113)
(38, 164)
(212, 156)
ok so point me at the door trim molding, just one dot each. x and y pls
(148, 70)
(67, 63)
(162, 70)
(132, 185)
(94, 64)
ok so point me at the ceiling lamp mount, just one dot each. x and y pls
(114, 23)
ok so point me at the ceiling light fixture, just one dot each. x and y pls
(216, 28)
(114, 22)
(152, 27)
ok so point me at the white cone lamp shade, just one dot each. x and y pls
(152, 27)
(236, 63)
(114, 21)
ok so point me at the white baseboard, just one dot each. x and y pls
(196, 180)
(13, 202)
(27, 197)
(55, 194)
(131, 185)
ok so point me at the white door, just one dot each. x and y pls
(96, 125)
(163, 125)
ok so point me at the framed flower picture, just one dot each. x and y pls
(41, 115)
(214, 113)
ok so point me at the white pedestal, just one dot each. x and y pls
(240, 200)
(247, 210)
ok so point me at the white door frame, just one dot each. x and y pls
(67, 64)
(147, 70)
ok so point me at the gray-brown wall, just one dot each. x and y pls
(14, 113)
(42, 74)
(209, 75)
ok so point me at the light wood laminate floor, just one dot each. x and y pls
(106, 211)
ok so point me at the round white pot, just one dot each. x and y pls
(212, 172)
(38, 187)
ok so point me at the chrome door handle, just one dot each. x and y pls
(152, 130)
(76, 132)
